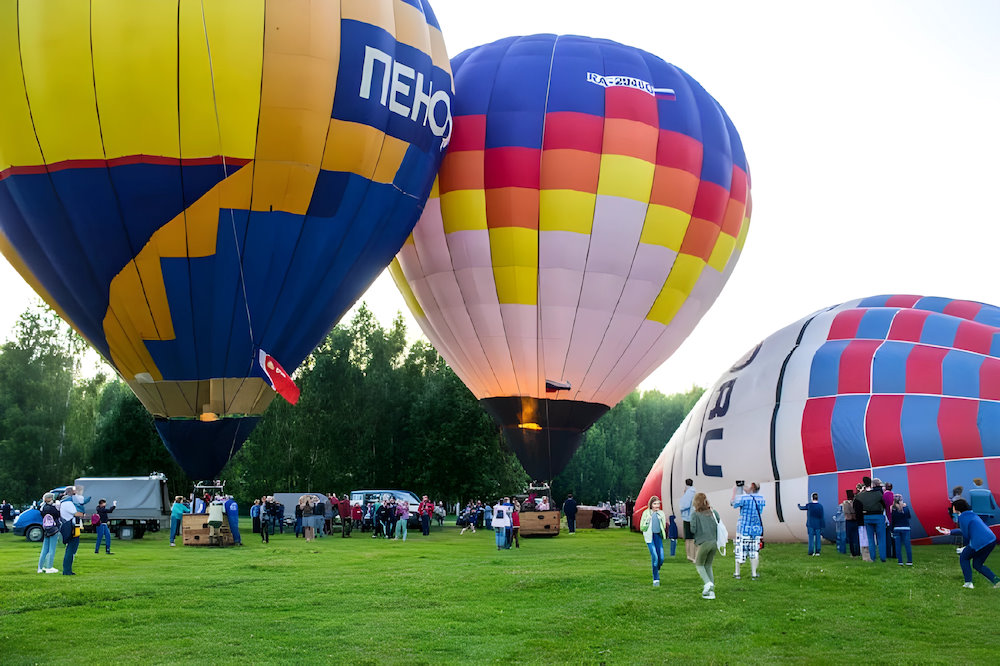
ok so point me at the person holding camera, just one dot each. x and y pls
(814, 524)
(103, 531)
(749, 526)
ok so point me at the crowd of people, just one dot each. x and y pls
(872, 521)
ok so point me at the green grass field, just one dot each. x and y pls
(448, 598)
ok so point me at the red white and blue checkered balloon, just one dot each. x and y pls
(901, 388)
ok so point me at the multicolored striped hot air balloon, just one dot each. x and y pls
(901, 388)
(188, 183)
(592, 204)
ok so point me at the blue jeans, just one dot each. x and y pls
(842, 541)
(571, 523)
(234, 528)
(901, 535)
(815, 539)
(175, 528)
(103, 532)
(673, 547)
(875, 526)
(656, 554)
(71, 547)
(976, 559)
(425, 524)
(48, 556)
(501, 535)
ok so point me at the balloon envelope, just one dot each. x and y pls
(901, 388)
(593, 202)
(189, 182)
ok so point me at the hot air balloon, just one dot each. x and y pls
(901, 388)
(592, 204)
(190, 183)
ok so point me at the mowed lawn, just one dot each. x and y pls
(451, 598)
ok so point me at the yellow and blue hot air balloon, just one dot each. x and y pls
(188, 183)
(592, 204)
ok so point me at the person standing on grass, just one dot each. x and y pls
(687, 499)
(569, 509)
(671, 532)
(873, 505)
(103, 531)
(653, 524)
(501, 521)
(346, 512)
(7, 513)
(255, 516)
(901, 530)
(402, 517)
(305, 506)
(851, 524)
(424, 510)
(888, 497)
(232, 510)
(70, 513)
(47, 559)
(979, 540)
(705, 526)
(749, 527)
(440, 513)
(515, 524)
(177, 511)
(814, 524)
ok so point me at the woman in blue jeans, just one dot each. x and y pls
(901, 529)
(46, 560)
(653, 525)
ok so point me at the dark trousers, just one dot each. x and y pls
(890, 542)
(571, 523)
(345, 528)
(969, 560)
(70, 553)
(425, 524)
(853, 540)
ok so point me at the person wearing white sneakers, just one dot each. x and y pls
(50, 540)
(705, 527)
(653, 525)
(979, 540)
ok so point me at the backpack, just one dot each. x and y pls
(49, 525)
(848, 507)
(95, 519)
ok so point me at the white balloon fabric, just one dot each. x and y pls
(901, 388)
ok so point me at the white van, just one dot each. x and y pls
(362, 497)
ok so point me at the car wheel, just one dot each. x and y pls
(34, 533)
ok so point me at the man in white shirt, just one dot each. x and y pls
(69, 512)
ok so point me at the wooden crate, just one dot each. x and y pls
(539, 523)
(195, 531)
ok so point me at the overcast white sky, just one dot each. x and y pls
(872, 134)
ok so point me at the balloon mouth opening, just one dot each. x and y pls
(529, 426)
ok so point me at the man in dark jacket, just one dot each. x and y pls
(873, 506)
(569, 509)
(814, 524)
(7, 512)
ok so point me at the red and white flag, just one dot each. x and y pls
(276, 376)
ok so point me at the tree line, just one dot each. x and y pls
(374, 413)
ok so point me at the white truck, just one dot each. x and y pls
(143, 506)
